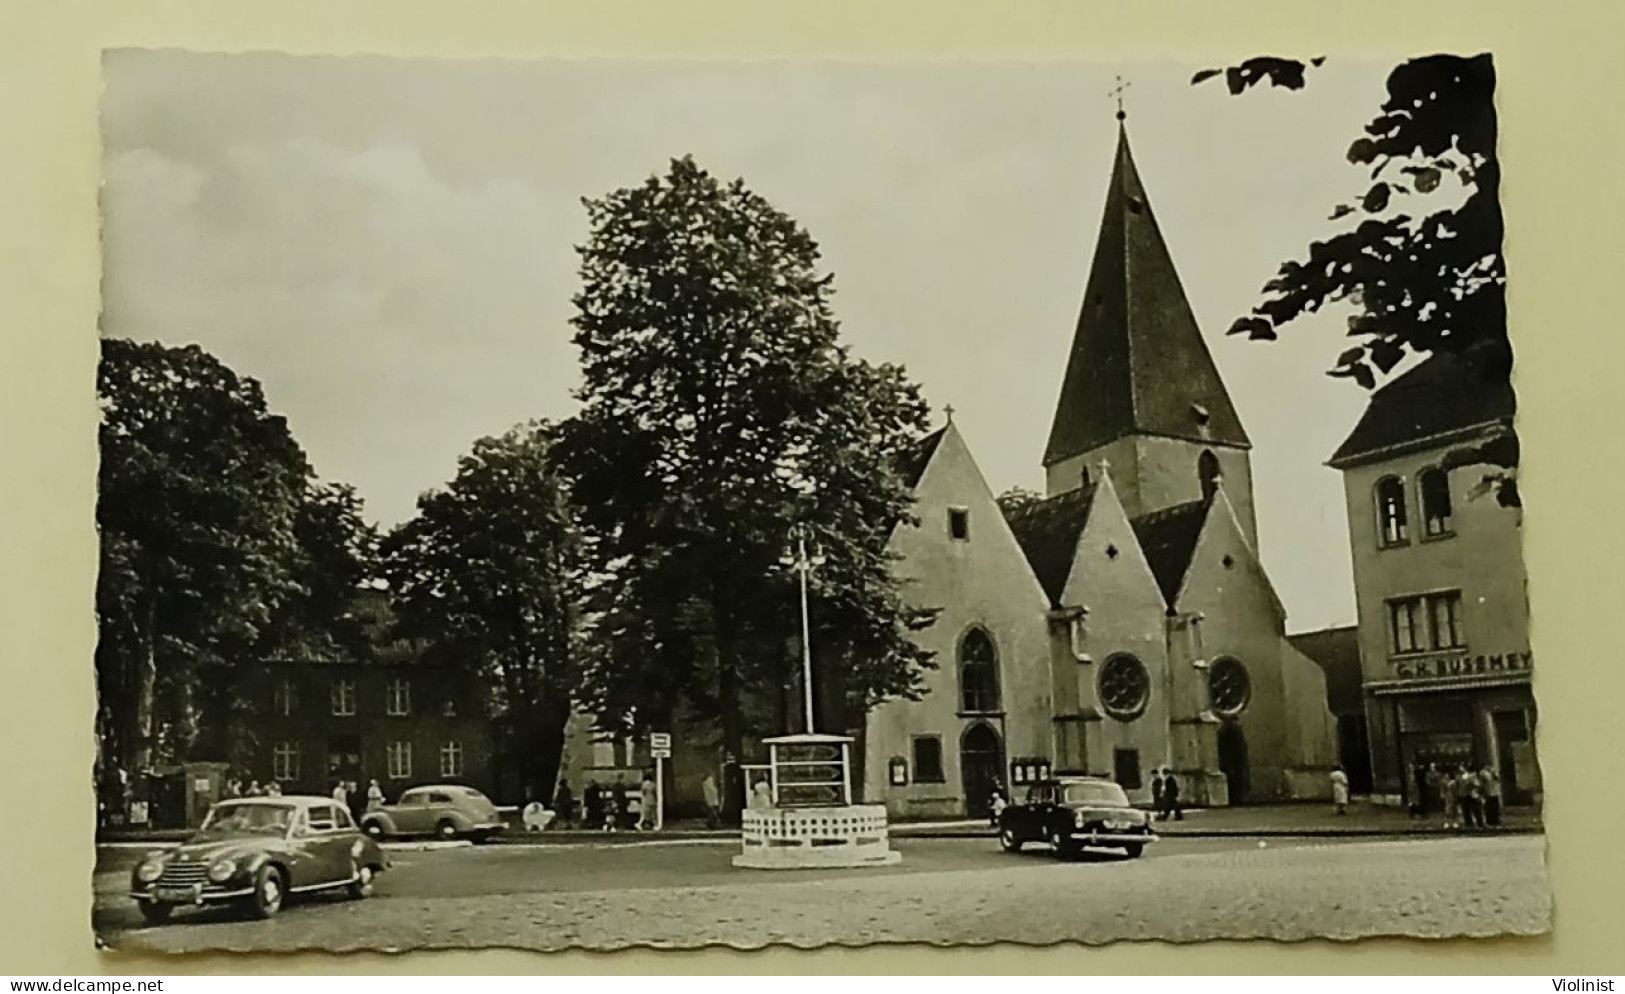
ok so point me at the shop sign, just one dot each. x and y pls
(1462, 666)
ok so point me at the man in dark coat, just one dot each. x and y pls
(1159, 795)
(1170, 794)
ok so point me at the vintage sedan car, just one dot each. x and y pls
(446, 811)
(1074, 813)
(256, 851)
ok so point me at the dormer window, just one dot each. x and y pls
(959, 524)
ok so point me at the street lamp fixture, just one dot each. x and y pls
(803, 563)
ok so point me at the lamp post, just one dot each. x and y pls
(803, 564)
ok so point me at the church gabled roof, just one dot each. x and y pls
(1048, 532)
(1443, 394)
(1168, 540)
(911, 464)
(1138, 362)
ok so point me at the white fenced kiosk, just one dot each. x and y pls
(805, 818)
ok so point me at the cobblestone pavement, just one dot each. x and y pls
(945, 892)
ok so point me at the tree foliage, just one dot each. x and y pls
(718, 408)
(1420, 256)
(200, 491)
(486, 575)
(1017, 499)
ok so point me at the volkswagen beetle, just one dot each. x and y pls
(1073, 813)
(254, 853)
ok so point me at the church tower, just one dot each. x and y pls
(1142, 397)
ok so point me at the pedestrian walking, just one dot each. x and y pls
(255, 790)
(1340, 790)
(713, 802)
(1170, 794)
(650, 803)
(564, 803)
(634, 808)
(1491, 786)
(275, 790)
(341, 795)
(612, 807)
(1433, 798)
(357, 802)
(375, 796)
(1159, 795)
(233, 788)
(996, 806)
(1472, 798)
(593, 798)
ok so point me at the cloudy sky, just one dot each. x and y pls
(387, 245)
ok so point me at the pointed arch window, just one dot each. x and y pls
(1392, 525)
(1433, 486)
(1207, 469)
(978, 673)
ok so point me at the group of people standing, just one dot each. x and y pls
(1467, 798)
(1165, 795)
(236, 787)
(613, 806)
(347, 794)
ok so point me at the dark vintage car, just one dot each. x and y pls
(1073, 813)
(447, 811)
(254, 852)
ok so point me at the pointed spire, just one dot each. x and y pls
(1138, 363)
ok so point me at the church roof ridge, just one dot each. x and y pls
(913, 460)
(1048, 531)
(1168, 538)
(1138, 362)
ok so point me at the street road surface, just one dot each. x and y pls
(676, 894)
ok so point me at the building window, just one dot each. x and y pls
(1391, 522)
(451, 759)
(343, 695)
(959, 524)
(928, 759)
(1125, 687)
(285, 699)
(978, 675)
(1419, 624)
(1207, 470)
(1126, 768)
(285, 761)
(1229, 686)
(398, 696)
(1434, 487)
(400, 760)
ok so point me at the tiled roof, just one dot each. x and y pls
(1048, 532)
(1139, 363)
(1445, 393)
(1337, 652)
(1168, 539)
(911, 465)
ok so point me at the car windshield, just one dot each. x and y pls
(263, 819)
(1095, 793)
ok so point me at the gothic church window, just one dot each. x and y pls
(1125, 687)
(1207, 468)
(1393, 528)
(978, 674)
(1229, 686)
(1434, 486)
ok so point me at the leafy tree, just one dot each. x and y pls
(486, 576)
(1421, 259)
(338, 553)
(200, 489)
(1018, 498)
(719, 408)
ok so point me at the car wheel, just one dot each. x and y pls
(1008, 839)
(374, 829)
(1060, 846)
(155, 912)
(361, 886)
(1134, 849)
(446, 829)
(269, 889)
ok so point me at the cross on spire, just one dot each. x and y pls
(1117, 94)
(949, 410)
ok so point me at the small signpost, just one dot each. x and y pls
(660, 749)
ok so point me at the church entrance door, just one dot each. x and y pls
(1233, 760)
(981, 761)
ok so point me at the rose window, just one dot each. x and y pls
(1229, 686)
(1125, 687)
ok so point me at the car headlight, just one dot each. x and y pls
(149, 871)
(222, 870)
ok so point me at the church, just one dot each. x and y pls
(1124, 622)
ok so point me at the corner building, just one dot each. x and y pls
(1440, 583)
